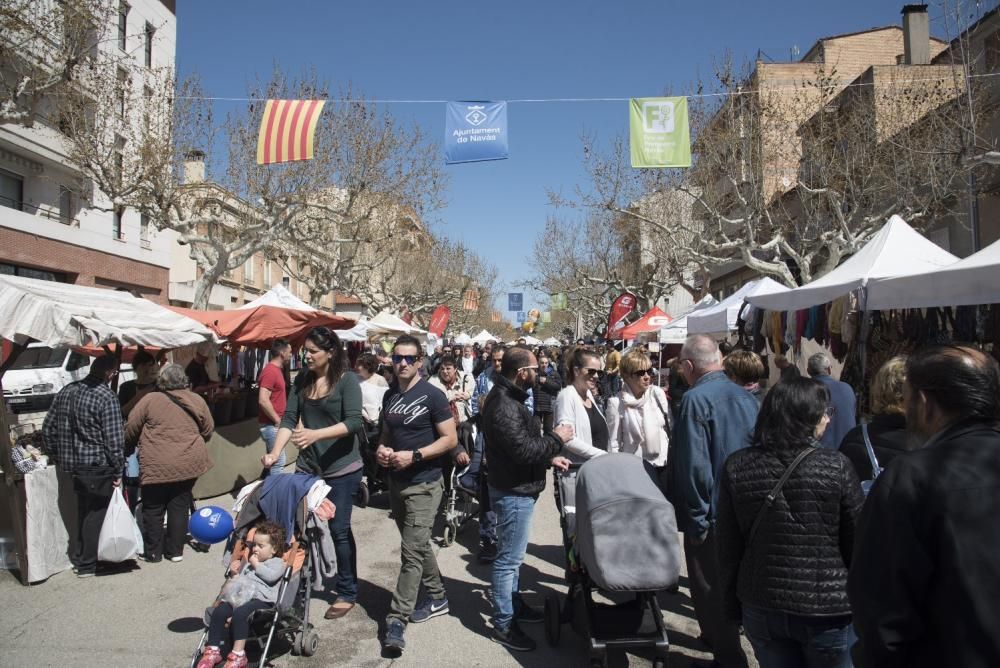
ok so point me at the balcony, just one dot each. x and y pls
(40, 211)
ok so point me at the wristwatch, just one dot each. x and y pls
(417, 457)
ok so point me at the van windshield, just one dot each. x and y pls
(40, 358)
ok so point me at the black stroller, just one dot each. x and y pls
(620, 535)
(288, 619)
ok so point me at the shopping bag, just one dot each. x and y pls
(117, 540)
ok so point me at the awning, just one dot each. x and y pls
(653, 321)
(63, 314)
(278, 296)
(722, 317)
(257, 327)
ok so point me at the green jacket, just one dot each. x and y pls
(327, 457)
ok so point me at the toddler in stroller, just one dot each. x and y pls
(253, 585)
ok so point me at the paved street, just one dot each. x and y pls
(150, 617)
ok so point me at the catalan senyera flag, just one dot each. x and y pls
(287, 130)
(496, 316)
(471, 300)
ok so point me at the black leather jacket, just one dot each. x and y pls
(518, 455)
(798, 560)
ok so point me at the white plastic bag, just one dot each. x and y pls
(117, 540)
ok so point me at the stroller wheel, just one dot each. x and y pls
(363, 494)
(450, 532)
(553, 620)
(308, 641)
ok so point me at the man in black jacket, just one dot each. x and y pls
(518, 458)
(925, 578)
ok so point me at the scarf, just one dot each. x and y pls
(644, 426)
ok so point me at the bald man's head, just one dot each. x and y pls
(700, 355)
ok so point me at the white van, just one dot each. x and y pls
(39, 372)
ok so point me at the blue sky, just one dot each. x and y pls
(441, 50)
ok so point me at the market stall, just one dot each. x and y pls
(236, 446)
(722, 317)
(484, 337)
(677, 330)
(65, 315)
(652, 321)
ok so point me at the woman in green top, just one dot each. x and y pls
(323, 420)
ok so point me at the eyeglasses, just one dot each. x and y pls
(533, 368)
(642, 372)
(591, 372)
(410, 359)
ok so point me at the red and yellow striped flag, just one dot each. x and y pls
(497, 316)
(471, 300)
(287, 130)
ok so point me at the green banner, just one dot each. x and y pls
(558, 301)
(659, 134)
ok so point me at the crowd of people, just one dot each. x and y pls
(825, 541)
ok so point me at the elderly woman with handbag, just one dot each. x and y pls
(170, 427)
(638, 416)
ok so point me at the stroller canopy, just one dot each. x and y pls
(626, 530)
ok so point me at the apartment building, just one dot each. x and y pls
(52, 224)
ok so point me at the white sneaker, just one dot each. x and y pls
(176, 559)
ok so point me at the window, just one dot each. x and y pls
(267, 273)
(77, 361)
(248, 271)
(11, 190)
(120, 92)
(28, 272)
(116, 225)
(122, 25)
(150, 32)
(66, 212)
(119, 159)
(144, 231)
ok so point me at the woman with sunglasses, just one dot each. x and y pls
(637, 415)
(576, 406)
(323, 420)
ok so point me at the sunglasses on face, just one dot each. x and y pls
(591, 373)
(642, 372)
(409, 359)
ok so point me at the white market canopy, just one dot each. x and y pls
(360, 331)
(896, 250)
(484, 337)
(463, 339)
(677, 331)
(722, 316)
(974, 280)
(551, 341)
(396, 325)
(532, 341)
(278, 296)
(62, 315)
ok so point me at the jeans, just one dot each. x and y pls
(722, 635)
(239, 627)
(514, 513)
(269, 432)
(174, 499)
(414, 507)
(783, 640)
(341, 494)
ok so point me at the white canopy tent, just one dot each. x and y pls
(973, 280)
(484, 337)
(463, 339)
(278, 296)
(677, 331)
(360, 331)
(396, 325)
(551, 341)
(722, 316)
(896, 250)
(62, 314)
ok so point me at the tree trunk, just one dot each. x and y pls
(203, 289)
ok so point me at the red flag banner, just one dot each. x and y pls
(287, 130)
(439, 320)
(471, 300)
(620, 309)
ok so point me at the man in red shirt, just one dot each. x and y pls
(273, 398)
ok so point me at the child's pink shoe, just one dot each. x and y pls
(210, 658)
(236, 661)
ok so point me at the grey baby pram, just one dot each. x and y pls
(625, 540)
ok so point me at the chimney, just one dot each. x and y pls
(916, 35)
(194, 167)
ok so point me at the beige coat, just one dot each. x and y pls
(171, 446)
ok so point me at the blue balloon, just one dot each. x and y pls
(210, 524)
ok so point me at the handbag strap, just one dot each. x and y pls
(772, 495)
(179, 404)
(876, 469)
